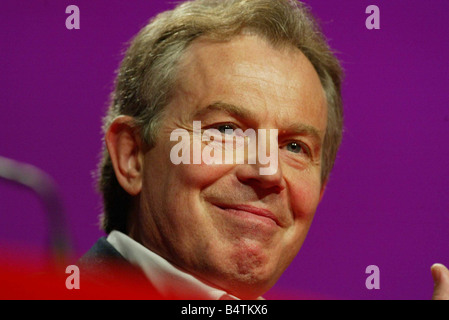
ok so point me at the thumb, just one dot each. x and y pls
(440, 275)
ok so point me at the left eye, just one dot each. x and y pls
(294, 147)
(222, 128)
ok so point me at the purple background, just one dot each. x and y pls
(386, 203)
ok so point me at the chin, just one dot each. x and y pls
(248, 282)
(252, 287)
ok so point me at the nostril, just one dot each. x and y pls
(262, 188)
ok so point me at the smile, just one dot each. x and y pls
(245, 211)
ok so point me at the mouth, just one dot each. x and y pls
(245, 210)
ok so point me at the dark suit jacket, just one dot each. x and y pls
(105, 268)
(100, 256)
(104, 271)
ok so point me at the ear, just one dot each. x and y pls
(125, 149)
(323, 188)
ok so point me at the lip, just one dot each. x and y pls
(261, 212)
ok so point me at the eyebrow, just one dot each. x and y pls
(307, 130)
(225, 107)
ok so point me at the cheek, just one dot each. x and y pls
(188, 172)
(199, 176)
(304, 198)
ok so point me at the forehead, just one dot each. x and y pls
(278, 84)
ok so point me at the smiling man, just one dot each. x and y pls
(230, 224)
(214, 230)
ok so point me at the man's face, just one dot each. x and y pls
(227, 223)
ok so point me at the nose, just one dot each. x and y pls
(249, 174)
(262, 169)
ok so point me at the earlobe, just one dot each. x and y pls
(125, 149)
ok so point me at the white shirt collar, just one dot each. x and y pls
(164, 276)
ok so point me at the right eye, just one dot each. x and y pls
(294, 147)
